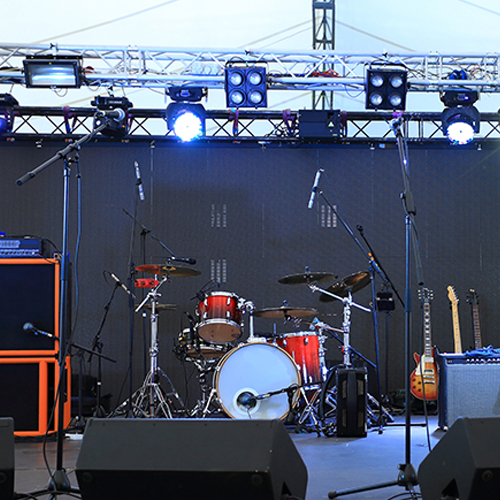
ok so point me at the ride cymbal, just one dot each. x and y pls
(353, 283)
(305, 278)
(168, 270)
(285, 312)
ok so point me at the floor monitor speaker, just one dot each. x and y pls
(6, 458)
(183, 459)
(465, 463)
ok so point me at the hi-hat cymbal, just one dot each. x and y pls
(168, 270)
(285, 312)
(305, 278)
(353, 283)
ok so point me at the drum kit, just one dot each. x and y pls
(266, 376)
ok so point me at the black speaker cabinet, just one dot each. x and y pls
(183, 459)
(465, 463)
(351, 402)
(27, 393)
(469, 386)
(6, 458)
(29, 293)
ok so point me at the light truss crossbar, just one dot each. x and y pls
(43, 123)
(151, 67)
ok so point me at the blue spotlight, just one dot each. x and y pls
(7, 104)
(460, 119)
(186, 120)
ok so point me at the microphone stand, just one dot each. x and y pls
(374, 268)
(146, 231)
(59, 482)
(97, 345)
(407, 476)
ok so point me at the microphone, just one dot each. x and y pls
(139, 180)
(119, 283)
(246, 400)
(115, 114)
(314, 188)
(187, 260)
(30, 327)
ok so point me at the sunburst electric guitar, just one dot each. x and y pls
(472, 299)
(424, 379)
(452, 295)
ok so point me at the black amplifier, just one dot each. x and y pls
(469, 386)
(20, 247)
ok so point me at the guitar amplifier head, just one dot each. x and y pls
(469, 386)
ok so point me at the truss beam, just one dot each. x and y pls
(163, 67)
(43, 123)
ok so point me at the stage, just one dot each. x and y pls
(332, 463)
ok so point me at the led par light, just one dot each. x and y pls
(246, 87)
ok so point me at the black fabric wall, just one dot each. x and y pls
(241, 212)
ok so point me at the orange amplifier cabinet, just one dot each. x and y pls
(28, 387)
(29, 295)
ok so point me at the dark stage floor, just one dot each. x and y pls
(333, 463)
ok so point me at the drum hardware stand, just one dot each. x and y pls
(202, 407)
(371, 399)
(310, 410)
(149, 400)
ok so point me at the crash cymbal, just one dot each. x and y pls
(168, 270)
(161, 307)
(354, 283)
(284, 312)
(305, 278)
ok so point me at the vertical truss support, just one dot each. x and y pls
(323, 39)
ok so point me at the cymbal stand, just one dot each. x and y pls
(150, 396)
(346, 324)
(371, 400)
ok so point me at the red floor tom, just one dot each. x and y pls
(304, 349)
(220, 318)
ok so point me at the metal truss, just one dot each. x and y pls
(151, 67)
(264, 127)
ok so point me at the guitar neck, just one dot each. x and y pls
(456, 329)
(478, 343)
(427, 330)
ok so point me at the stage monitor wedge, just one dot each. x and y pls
(183, 459)
(6, 458)
(465, 463)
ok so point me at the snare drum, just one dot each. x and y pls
(304, 349)
(220, 318)
(193, 349)
(256, 369)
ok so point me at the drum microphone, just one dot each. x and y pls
(119, 283)
(314, 188)
(30, 327)
(247, 400)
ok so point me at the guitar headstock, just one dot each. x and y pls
(425, 294)
(472, 297)
(452, 295)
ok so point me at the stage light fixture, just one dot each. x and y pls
(386, 88)
(7, 103)
(114, 112)
(246, 87)
(52, 72)
(186, 120)
(460, 119)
